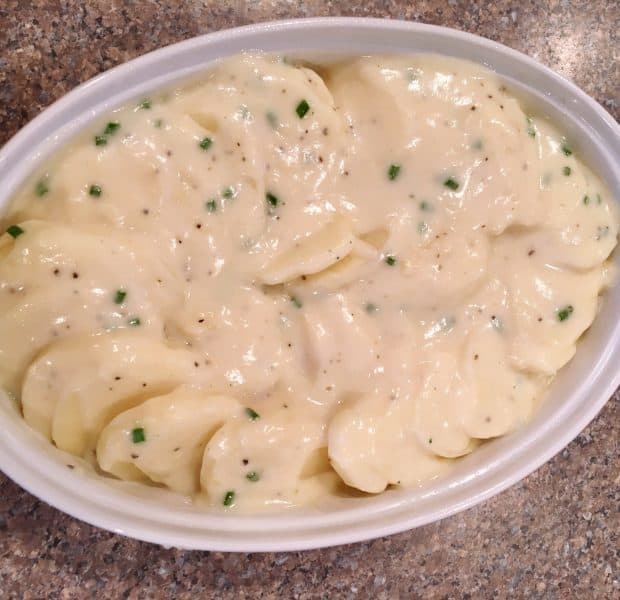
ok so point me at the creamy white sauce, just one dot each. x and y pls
(274, 284)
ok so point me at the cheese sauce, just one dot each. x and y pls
(283, 283)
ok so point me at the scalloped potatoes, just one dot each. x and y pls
(283, 283)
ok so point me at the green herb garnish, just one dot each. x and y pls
(211, 205)
(393, 171)
(271, 199)
(145, 104)
(422, 227)
(252, 476)
(370, 308)
(426, 206)
(531, 131)
(228, 193)
(251, 414)
(302, 109)
(586, 200)
(134, 321)
(390, 260)
(111, 128)
(565, 312)
(41, 188)
(14, 231)
(451, 183)
(95, 190)
(567, 151)
(119, 296)
(137, 435)
(296, 301)
(229, 498)
(205, 143)
(567, 171)
(157, 123)
(272, 119)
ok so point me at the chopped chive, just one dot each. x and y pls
(531, 131)
(393, 171)
(390, 260)
(211, 205)
(145, 104)
(251, 414)
(229, 498)
(598, 199)
(586, 200)
(41, 188)
(296, 301)
(119, 296)
(252, 476)
(272, 119)
(302, 109)
(451, 183)
(477, 145)
(565, 312)
(567, 171)
(567, 151)
(157, 123)
(228, 193)
(430, 440)
(370, 308)
(111, 127)
(271, 199)
(95, 190)
(205, 143)
(134, 321)
(137, 435)
(14, 231)
(426, 206)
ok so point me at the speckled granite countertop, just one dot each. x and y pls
(554, 535)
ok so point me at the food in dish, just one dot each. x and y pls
(285, 282)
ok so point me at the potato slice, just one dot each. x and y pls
(550, 307)
(117, 371)
(261, 459)
(504, 397)
(372, 445)
(441, 408)
(176, 427)
(313, 254)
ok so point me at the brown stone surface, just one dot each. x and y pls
(554, 535)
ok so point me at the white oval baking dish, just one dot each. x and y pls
(579, 392)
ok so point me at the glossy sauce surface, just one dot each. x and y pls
(284, 281)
